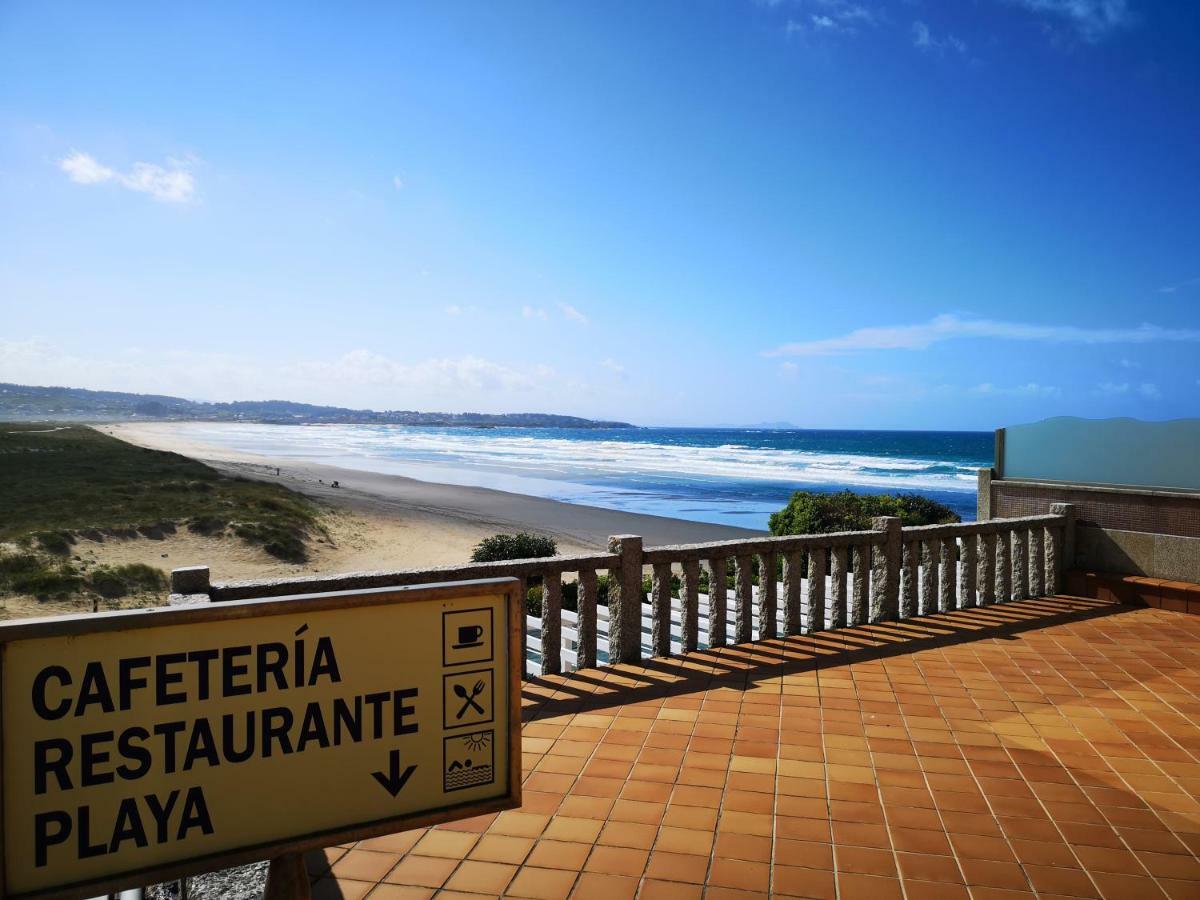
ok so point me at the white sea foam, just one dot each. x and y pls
(590, 461)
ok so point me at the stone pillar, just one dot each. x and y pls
(793, 592)
(551, 623)
(190, 580)
(768, 597)
(983, 495)
(625, 608)
(660, 611)
(816, 589)
(885, 570)
(586, 612)
(689, 600)
(743, 600)
(1067, 557)
(716, 602)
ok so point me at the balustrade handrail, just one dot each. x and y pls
(277, 587)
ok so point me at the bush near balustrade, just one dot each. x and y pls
(521, 545)
(810, 512)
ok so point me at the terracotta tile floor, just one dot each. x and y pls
(1049, 747)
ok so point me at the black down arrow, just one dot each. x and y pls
(394, 781)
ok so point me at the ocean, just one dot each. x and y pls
(729, 476)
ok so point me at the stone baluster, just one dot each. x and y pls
(837, 578)
(793, 592)
(1054, 564)
(689, 600)
(860, 579)
(1020, 564)
(1003, 566)
(1037, 561)
(816, 589)
(716, 602)
(931, 554)
(967, 571)
(551, 623)
(660, 610)
(948, 575)
(910, 585)
(987, 569)
(743, 600)
(768, 597)
(520, 590)
(586, 611)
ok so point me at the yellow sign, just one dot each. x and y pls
(140, 746)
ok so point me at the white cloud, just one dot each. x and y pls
(953, 327)
(832, 16)
(398, 182)
(360, 378)
(1031, 389)
(168, 185)
(1173, 288)
(364, 367)
(533, 312)
(924, 40)
(1092, 20)
(613, 366)
(1123, 388)
(572, 313)
(84, 169)
(454, 310)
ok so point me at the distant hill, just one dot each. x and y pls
(25, 403)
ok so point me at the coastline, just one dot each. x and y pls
(385, 521)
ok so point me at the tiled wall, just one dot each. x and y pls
(1152, 513)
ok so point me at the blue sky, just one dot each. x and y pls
(859, 213)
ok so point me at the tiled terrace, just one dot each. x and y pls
(1047, 747)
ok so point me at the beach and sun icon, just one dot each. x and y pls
(468, 760)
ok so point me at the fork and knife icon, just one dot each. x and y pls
(469, 699)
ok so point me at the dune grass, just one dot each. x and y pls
(58, 482)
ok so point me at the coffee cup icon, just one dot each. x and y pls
(469, 636)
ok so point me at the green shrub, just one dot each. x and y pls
(809, 512)
(28, 573)
(118, 581)
(281, 541)
(57, 542)
(513, 546)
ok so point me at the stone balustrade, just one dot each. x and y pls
(777, 585)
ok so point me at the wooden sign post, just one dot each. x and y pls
(141, 746)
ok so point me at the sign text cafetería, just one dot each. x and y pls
(140, 746)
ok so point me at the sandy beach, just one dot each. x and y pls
(378, 521)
